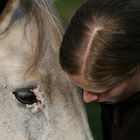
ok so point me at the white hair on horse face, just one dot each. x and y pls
(40, 100)
(30, 75)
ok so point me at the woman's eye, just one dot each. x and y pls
(25, 96)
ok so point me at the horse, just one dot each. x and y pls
(37, 100)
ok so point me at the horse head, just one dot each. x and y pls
(37, 100)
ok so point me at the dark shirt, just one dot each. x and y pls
(121, 121)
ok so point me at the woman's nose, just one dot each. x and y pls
(89, 96)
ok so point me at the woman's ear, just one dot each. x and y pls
(7, 8)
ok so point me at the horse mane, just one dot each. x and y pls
(48, 25)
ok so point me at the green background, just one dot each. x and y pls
(66, 9)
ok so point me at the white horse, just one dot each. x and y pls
(37, 100)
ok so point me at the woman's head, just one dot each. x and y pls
(102, 42)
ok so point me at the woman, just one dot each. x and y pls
(100, 52)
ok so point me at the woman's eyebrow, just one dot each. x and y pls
(106, 91)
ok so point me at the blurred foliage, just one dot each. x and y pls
(66, 9)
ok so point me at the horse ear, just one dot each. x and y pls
(7, 8)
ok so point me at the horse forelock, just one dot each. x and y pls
(49, 29)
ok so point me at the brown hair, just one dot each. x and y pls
(102, 41)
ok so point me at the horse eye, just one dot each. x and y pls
(25, 96)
